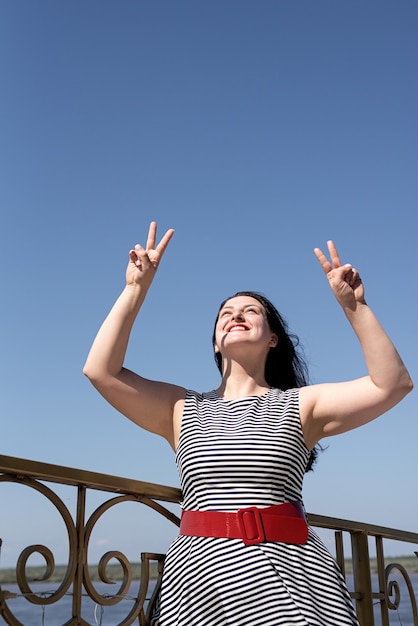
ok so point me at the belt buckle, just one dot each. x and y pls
(255, 514)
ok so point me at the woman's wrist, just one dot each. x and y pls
(131, 298)
(356, 307)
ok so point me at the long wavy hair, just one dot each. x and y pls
(285, 367)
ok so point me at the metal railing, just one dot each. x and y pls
(77, 577)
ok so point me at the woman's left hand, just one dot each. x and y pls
(344, 280)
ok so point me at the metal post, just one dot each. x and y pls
(81, 556)
(362, 578)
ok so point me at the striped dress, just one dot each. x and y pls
(234, 454)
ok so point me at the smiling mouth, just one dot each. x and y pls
(239, 327)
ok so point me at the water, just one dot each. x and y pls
(59, 613)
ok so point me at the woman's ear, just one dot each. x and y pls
(273, 341)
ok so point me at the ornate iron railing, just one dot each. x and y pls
(77, 581)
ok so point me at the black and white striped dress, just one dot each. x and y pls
(234, 454)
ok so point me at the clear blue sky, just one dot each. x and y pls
(258, 130)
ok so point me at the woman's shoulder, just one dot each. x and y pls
(281, 394)
(192, 395)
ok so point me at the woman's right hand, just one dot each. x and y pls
(143, 262)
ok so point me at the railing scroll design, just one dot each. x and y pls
(363, 594)
(393, 591)
(77, 580)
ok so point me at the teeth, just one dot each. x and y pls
(237, 328)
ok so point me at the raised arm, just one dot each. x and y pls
(332, 408)
(150, 404)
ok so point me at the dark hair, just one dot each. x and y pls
(285, 367)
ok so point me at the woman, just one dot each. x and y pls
(245, 555)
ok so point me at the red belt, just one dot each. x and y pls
(282, 522)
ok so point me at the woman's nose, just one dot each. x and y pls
(237, 315)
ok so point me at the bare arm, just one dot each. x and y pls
(333, 408)
(148, 403)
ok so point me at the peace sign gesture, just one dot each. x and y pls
(344, 280)
(143, 262)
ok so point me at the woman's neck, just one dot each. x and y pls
(241, 384)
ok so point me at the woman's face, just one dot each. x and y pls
(242, 321)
